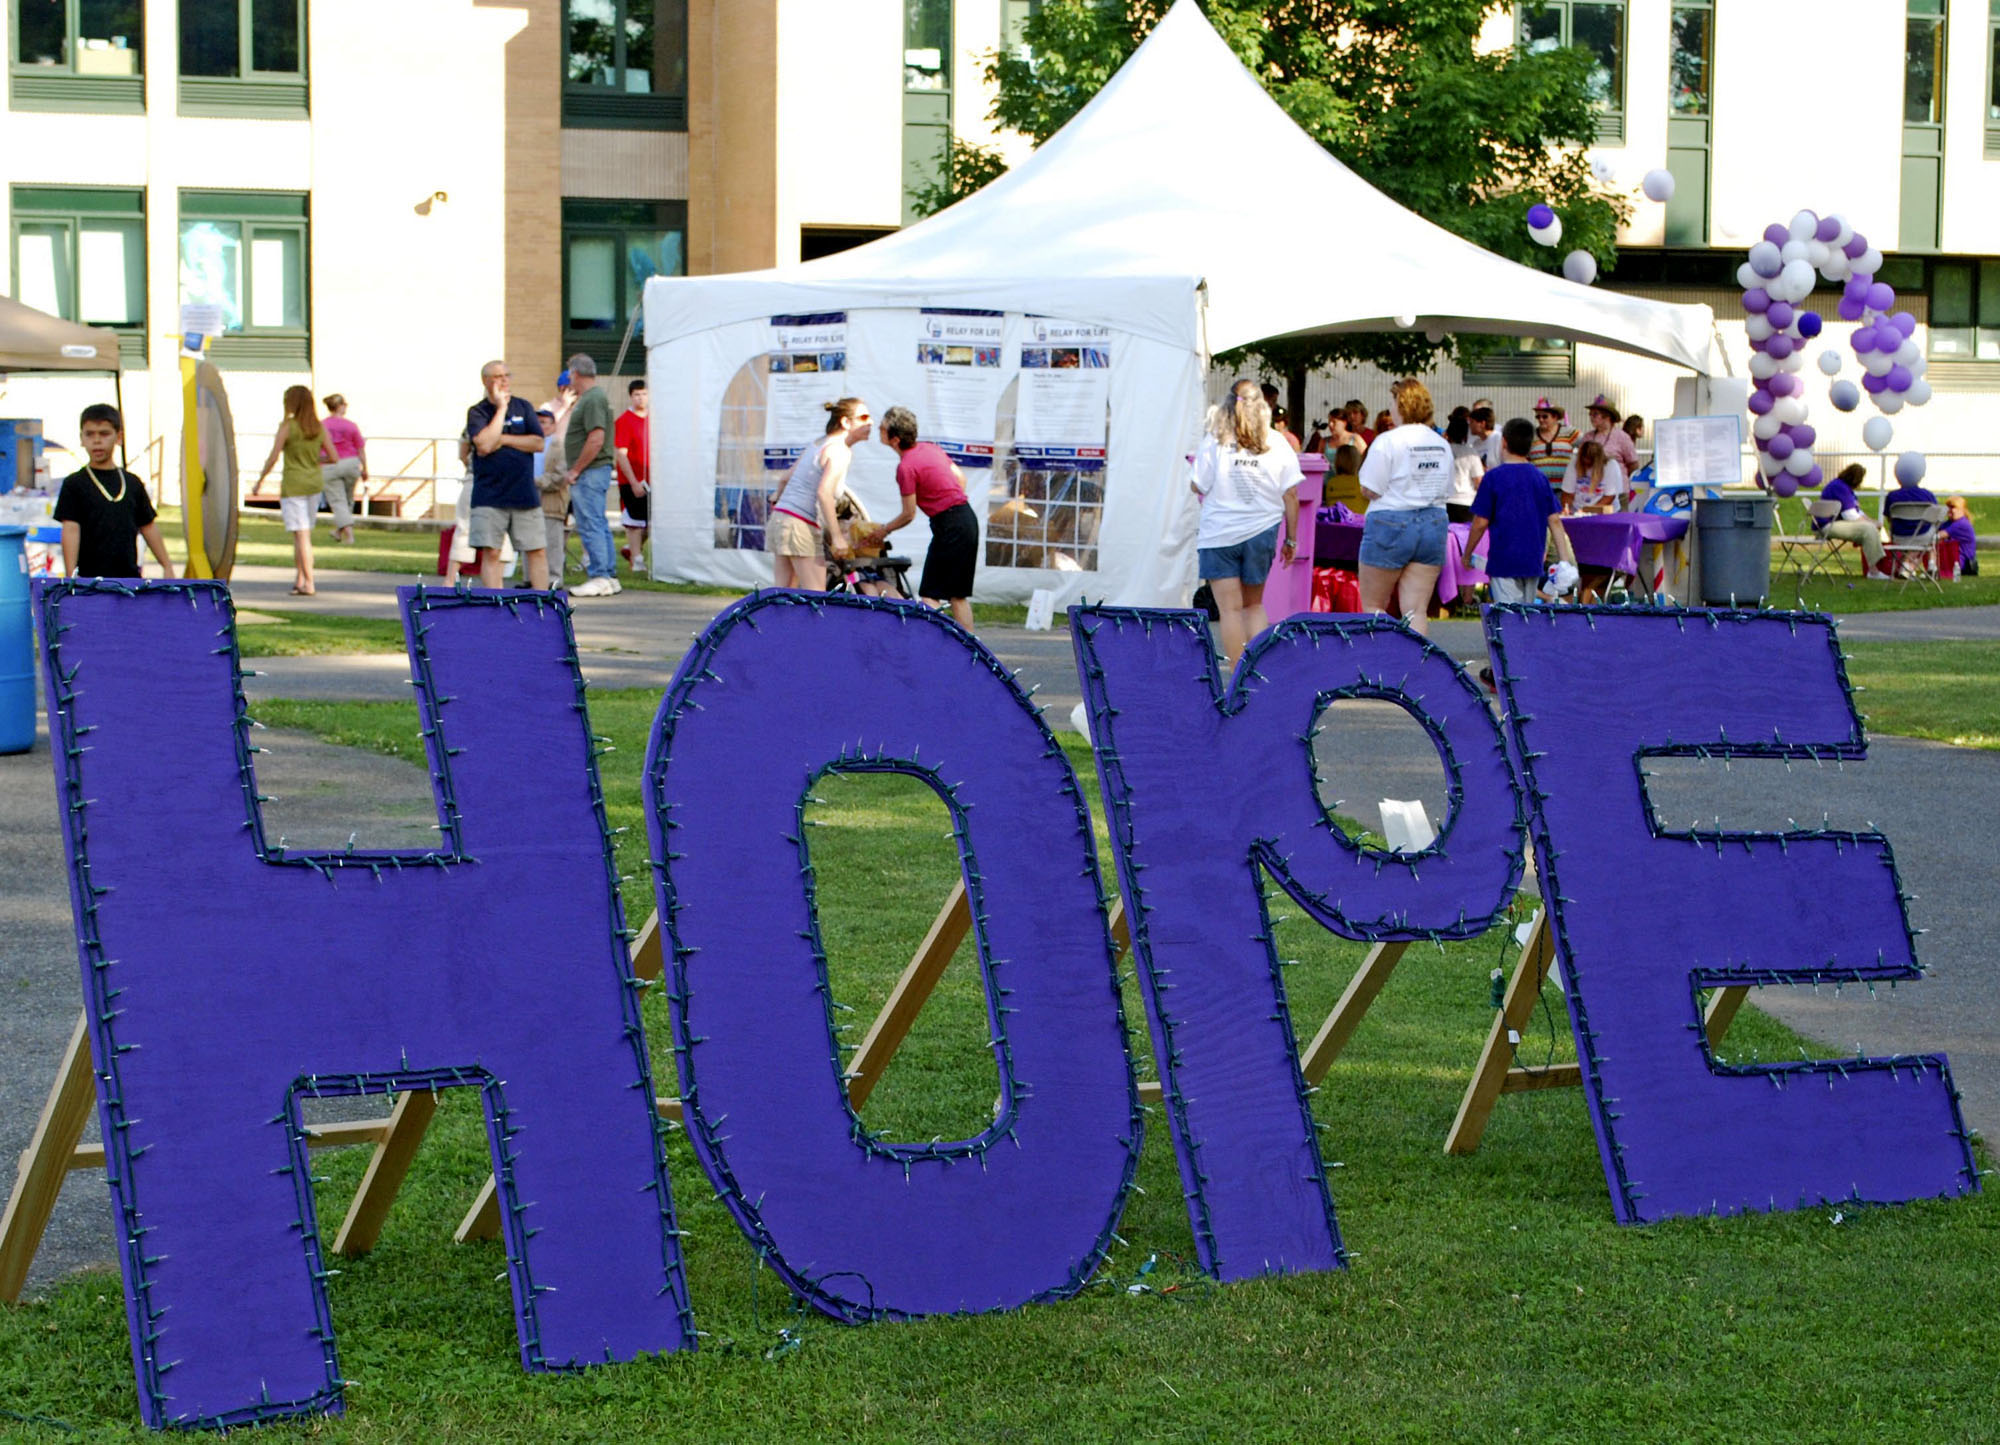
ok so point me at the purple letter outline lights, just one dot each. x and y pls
(1206, 790)
(1645, 916)
(781, 690)
(227, 979)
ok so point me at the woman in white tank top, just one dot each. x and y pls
(802, 530)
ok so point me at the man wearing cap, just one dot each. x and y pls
(1604, 419)
(1555, 442)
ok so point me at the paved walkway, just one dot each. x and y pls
(1939, 806)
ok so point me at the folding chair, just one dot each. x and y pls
(1912, 550)
(1808, 552)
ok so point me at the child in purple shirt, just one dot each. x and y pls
(1958, 527)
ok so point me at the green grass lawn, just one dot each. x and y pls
(1946, 691)
(1490, 1297)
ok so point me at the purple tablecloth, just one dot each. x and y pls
(1615, 540)
(1338, 544)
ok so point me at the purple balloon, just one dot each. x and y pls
(1829, 227)
(1782, 384)
(1761, 401)
(1881, 296)
(1874, 385)
(1777, 235)
(1851, 309)
(1813, 477)
(1779, 314)
(1857, 287)
(1899, 378)
(1757, 299)
(1864, 340)
(1905, 324)
(1763, 443)
(1780, 447)
(1803, 435)
(1856, 248)
(1785, 484)
(1810, 323)
(1540, 216)
(1779, 346)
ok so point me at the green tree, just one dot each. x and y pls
(962, 169)
(1395, 90)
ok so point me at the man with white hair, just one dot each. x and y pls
(500, 439)
(587, 446)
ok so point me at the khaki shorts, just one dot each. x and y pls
(789, 536)
(523, 525)
(298, 512)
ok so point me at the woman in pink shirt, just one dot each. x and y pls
(351, 448)
(930, 481)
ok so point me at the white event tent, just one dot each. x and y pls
(1132, 232)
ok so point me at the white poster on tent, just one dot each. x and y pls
(808, 368)
(959, 353)
(1065, 394)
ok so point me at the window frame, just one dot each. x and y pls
(1992, 58)
(252, 93)
(65, 88)
(259, 213)
(72, 207)
(578, 220)
(611, 107)
(1611, 115)
(1531, 361)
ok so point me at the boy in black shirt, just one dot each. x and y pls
(104, 509)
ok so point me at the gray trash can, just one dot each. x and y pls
(1735, 539)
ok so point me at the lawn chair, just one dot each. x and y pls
(1911, 552)
(1809, 551)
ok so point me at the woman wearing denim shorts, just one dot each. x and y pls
(1247, 477)
(1406, 476)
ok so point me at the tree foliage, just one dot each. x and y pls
(962, 169)
(1396, 91)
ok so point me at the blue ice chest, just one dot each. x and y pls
(20, 450)
(17, 645)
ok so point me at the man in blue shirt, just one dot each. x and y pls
(502, 434)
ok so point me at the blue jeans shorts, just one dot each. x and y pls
(1247, 561)
(1395, 540)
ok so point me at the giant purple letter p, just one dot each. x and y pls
(1644, 917)
(228, 979)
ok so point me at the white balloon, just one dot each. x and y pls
(1767, 425)
(1889, 402)
(1877, 431)
(1405, 320)
(1910, 468)
(1804, 225)
(1605, 172)
(1799, 275)
(1547, 235)
(1795, 362)
(1908, 353)
(1762, 366)
(1793, 250)
(1658, 185)
(1829, 361)
(1790, 410)
(1844, 235)
(1758, 328)
(1875, 363)
(1765, 260)
(1845, 394)
(1799, 462)
(1837, 267)
(1433, 335)
(1869, 261)
(1817, 253)
(1919, 366)
(1919, 392)
(1580, 267)
(1747, 277)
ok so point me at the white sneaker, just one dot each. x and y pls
(616, 586)
(595, 587)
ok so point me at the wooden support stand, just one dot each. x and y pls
(1497, 1074)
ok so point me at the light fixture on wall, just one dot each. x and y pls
(435, 198)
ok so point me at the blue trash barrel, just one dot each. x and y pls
(17, 645)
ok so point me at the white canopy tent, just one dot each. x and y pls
(1126, 220)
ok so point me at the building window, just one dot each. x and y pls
(1965, 310)
(1993, 79)
(1015, 15)
(610, 250)
(1921, 219)
(81, 255)
(245, 253)
(1690, 58)
(927, 46)
(1524, 361)
(625, 64)
(1691, 82)
(1596, 26)
(78, 55)
(1923, 64)
(243, 58)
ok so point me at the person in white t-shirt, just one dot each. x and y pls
(1468, 466)
(1407, 475)
(1247, 477)
(1594, 481)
